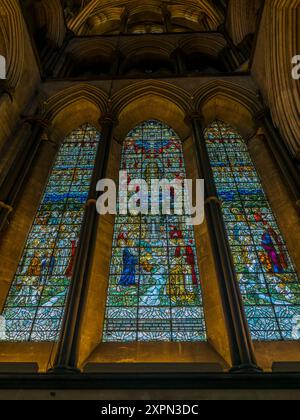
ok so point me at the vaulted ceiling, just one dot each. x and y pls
(95, 17)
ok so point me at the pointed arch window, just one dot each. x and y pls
(154, 291)
(267, 276)
(35, 305)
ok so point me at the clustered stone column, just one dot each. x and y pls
(52, 54)
(14, 180)
(167, 18)
(241, 347)
(5, 89)
(288, 168)
(67, 352)
(180, 61)
(231, 56)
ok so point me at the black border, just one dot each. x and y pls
(121, 381)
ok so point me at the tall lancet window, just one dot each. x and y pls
(154, 289)
(266, 274)
(35, 304)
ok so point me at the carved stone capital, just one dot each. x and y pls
(213, 199)
(297, 155)
(6, 207)
(194, 116)
(6, 89)
(91, 202)
(36, 120)
(259, 134)
(108, 118)
(260, 116)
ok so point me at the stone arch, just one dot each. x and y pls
(141, 12)
(231, 102)
(12, 41)
(147, 101)
(52, 14)
(203, 50)
(151, 100)
(22, 74)
(70, 108)
(132, 47)
(272, 68)
(198, 16)
(86, 53)
(66, 111)
(213, 13)
(210, 44)
(106, 20)
(148, 61)
(152, 50)
(242, 18)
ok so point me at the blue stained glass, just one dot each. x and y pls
(268, 281)
(35, 304)
(154, 289)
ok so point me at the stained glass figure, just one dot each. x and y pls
(267, 277)
(154, 289)
(35, 304)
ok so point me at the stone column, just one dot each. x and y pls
(241, 347)
(52, 54)
(5, 89)
(179, 58)
(67, 352)
(124, 21)
(13, 181)
(238, 57)
(281, 154)
(167, 18)
(117, 61)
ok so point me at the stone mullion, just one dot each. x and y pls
(241, 346)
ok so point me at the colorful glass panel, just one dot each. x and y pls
(154, 289)
(35, 305)
(266, 274)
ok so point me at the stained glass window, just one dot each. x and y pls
(266, 274)
(35, 305)
(154, 289)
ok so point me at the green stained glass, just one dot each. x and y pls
(266, 274)
(35, 304)
(154, 289)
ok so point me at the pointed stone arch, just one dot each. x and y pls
(232, 102)
(278, 41)
(156, 100)
(73, 106)
(12, 41)
(214, 14)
